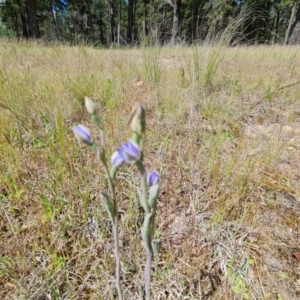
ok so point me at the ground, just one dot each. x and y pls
(222, 130)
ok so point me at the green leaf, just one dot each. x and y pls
(48, 207)
(146, 232)
(279, 297)
(155, 247)
(283, 275)
(153, 195)
(109, 206)
(142, 202)
(96, 119)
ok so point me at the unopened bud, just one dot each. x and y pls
(117, 160)
(137, 119)
(153, 178)
(82, 134)
(89, 105)
(140, 112)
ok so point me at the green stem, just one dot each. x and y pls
(148, 276)
(144, 194)
(147, 211)
(115, 230)
(101, 155)
(117, 257)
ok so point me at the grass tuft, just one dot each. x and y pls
(224, 130)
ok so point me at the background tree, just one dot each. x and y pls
(176, 5)
(131, 22)
(295, 37)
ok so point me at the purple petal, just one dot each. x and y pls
(132, 151)
(82, 134)
(122, 154)
(153, 178)
(117, 159)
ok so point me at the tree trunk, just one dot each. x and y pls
(100, 23)
(287, 33)
(163, 37)
(130, 21)
(112, 20)
(22, 14)
(193, 21)
(89, 32)
(295, 37)
(33, 29)
(176, 19)
(133, 21)
(119, 22)
(278, 16)
(145, 19)
(16, 25)
(54, 20)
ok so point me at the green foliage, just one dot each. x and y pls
(151, 22)
(108, 94)
(152, 66)
(237, 276)
(16, 191)
(7, 32)
(226, 180)
(82, 86)
(48, 208)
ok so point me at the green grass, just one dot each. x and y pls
(223, 135)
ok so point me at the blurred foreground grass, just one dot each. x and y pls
(222, 133)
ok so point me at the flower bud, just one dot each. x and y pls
(117, 160)
(136, 125)
(127, 153)
(141, 112)
(131, 150)
(82, 134)
(153, 178)
(137, 119)
(89, 105)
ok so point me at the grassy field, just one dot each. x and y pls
(223, 129)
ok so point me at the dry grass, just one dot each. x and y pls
(227, 147)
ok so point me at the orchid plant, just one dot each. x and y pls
(131, 152)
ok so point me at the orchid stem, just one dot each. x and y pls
(115, 230)
(148, 276)
(117, 257)
(147, 211)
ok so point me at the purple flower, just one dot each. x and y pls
(128, 153)
(82, 134)
(117, 160)
(153, 178)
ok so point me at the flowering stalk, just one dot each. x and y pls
(131, 152)
(114, 220)
(147, 198)
(83, 135)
